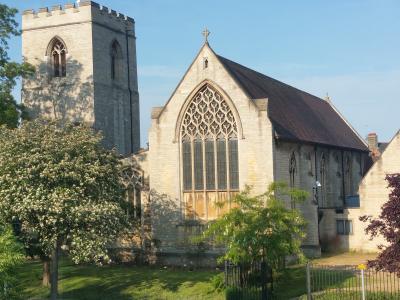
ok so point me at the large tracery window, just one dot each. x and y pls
(58, 58)
(209, 139)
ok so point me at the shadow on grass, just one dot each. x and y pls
(118, 282)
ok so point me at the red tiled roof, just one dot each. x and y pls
(295, 114)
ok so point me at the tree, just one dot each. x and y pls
(63, 190)
(260, 227)
(387, 225)
(10, 257)
(10, 110)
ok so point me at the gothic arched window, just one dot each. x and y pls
(58, 58)
(209, 141)
(348, 175)
(292, 175)
(323, 175)
(116, 60)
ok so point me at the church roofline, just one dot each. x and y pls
(347, 122)
(183, 77)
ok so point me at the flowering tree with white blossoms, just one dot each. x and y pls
(64, 189)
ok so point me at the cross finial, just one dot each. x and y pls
(327, 98)
(206, 33)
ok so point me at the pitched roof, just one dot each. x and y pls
(295, 114)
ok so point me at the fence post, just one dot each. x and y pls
(362, 267)
(264, 288)
(309, 297)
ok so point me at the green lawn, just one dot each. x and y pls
(90, 282)
(87, 282)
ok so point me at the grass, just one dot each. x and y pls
(88, 282)
(346, 258)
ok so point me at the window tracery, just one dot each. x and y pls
(58, 58)
(209, 143)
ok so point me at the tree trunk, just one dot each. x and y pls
(46, 272)
(54, 273)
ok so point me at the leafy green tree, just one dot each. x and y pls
(10, 257)
(63, 189)
(260, 227)
(387, 225)
(10, 110)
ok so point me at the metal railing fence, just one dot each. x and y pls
(248, 281)
(328, 282)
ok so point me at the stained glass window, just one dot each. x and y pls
(209, 128)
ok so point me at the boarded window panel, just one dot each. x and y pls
(233, 164)
(221, 161)
(210, 165)
(187, 166)
(198, 165)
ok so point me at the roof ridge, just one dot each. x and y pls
(271, 78)
(296, 114)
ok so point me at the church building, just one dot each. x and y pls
(226, 127)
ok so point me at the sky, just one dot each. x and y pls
(349, 49)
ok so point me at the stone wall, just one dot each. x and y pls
(373, 194)
(321, 218)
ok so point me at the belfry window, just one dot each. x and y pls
(210, 158)
(58, 58)
(116, 61)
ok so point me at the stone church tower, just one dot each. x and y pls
(85, 59)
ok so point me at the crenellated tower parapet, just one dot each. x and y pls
(85, 11)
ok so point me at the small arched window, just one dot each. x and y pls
(323, 176)
(292, 175)
(58, 58)
(348, 175)
(116, 60)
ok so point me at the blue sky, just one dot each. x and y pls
(347, 48)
